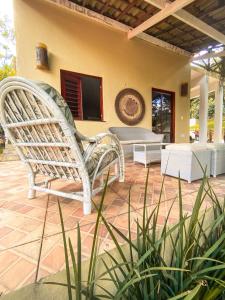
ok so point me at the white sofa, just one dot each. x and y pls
(135, 134)
(217, 158)
(185, 159)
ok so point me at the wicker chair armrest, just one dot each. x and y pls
(94, 141)
(85, 138)
(99, 137)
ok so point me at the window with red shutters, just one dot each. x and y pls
(71, 92)
(83, 94)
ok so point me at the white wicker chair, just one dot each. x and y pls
(39, 124)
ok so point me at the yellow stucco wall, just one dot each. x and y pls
(85, 46)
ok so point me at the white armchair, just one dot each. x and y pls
(39, 123)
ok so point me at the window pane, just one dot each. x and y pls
(166, 113)
(91, 98)
(162, 114)
(156, 114)
(83, 95)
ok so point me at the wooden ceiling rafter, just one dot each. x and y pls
(183, 31)
(126, 10)
(136, 6)
(145, 14)
(161, 31)
(132, 21)
(110, 22)
(171, 34)
(192, 21)
(204, 14)
(118, 12)
(165, 12)
(210, 20)
(173, 30)
(84, 3)
(104, 7)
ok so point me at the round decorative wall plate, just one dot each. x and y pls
(130, 106)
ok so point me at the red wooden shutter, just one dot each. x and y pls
(72, 93)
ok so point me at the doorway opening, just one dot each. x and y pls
(163, 114)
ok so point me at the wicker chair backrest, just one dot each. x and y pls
(39, 128)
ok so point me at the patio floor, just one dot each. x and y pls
(22, 220)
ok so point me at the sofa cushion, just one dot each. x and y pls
(136, 133)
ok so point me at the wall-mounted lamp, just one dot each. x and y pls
(184, 89)
(42, 57)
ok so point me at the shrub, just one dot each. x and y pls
(180, 261)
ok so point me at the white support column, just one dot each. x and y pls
(218, 122)
(203, 111)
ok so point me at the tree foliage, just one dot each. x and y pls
(195, 106)
(7, 45)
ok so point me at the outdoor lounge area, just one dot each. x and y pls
(71, 170)
(112, 150)
(23, 220)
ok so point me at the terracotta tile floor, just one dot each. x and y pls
(22, 220)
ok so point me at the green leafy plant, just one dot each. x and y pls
(7, 45)
(181, 261)
(75, 288)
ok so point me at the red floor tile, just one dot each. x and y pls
(6, 260)
(22, 220)
(18, 272)
(55, 259)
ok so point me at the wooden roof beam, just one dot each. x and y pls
(167, 10)
(92, 15)
(192, 21)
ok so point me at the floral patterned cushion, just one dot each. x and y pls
(59, 100)
(96, 155)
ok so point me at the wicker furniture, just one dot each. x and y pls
(147, 153)
(181, 159)
(135, 135)
(217, 158)
(38, 122)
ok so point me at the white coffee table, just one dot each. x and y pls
(147, 152)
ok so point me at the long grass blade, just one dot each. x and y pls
(69, 289)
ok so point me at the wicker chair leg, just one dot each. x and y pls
(121, 168)
(31, 191)
(87, 207)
